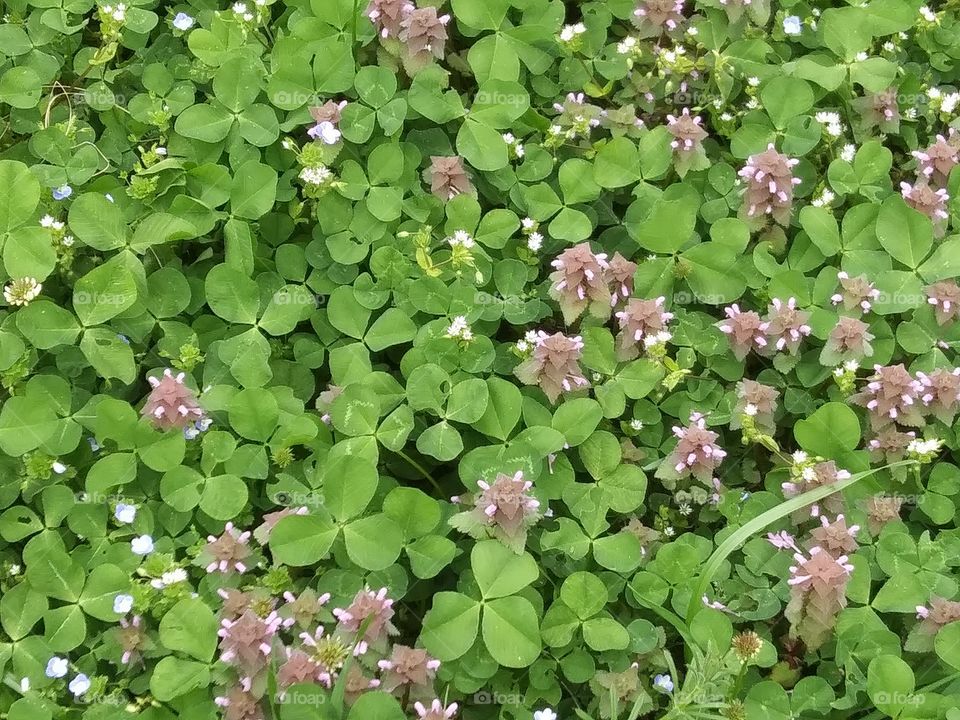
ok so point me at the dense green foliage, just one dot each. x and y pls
(603, 352)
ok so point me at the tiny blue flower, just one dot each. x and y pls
(79, 685)
(123, 338)
(142, 545)
(122, 604)
(792, 25)
(62, 192)
(56, 667)
(94, 445)
(183, 22)
(663, 683)
(125, 513)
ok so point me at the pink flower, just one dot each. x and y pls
(786, 325)
(936, 162)
(424, 33)
(386, 15)
(659, 15)
(855, 293)
(227, 552)
(770, 182)
(944, 296)
(580, 281)
(927, 201)
(745, 330)
(817, 594)
(783, 541)
(639, 320)
(247, 641)
(447, 177)
(554, 365)
(849, 340)
(696, 453)
(367, 604)
(171, 404)
(892, 395)
(686, 131)
(435, 711)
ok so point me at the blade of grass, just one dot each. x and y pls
(754, 526)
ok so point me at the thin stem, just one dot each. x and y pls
(422, 470)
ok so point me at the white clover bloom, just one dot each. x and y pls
(142, 545)
(22, 291)
(535, 242)
(861, 56)
(848, 152)
(627, 46)
(928, 14)
(753, 81)
(835, 129)
(792, 25)
(317, 175)
(459, 329)
(122, 604)
(826, 197)
(56, 667)
(125, 513)
(462, 238)
(949, 102)
(528, 223)
(826, 118)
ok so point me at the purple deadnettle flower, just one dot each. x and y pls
(770, 181)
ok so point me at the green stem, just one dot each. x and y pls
(422, 470)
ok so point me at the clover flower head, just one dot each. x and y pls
(22, 291)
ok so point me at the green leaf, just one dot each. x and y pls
(450, 626)
(173, 677)
(190, 627)
(301, 540)
(511, 631)
(499, 571)
(903, 232)
(831, 431)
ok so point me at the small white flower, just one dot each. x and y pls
(750, 409)
(934, 93)
(928, 14)
(239, 8)
(161, 151)
(142, 545)
(58, 467)
(949, 102)
(861, 56)
(753, 81)
(125, 513)
(459, 328)
(835, 129)
(183, 22)
(56, 667)
(535, 241)
(627, 46)
(47, 221)
(889, 46)
(851, 366)
(24, 684)
(527, 223)
(792, 25)
(848, 152)
(636, 425)
(545, 714)
(79, 685)
(122, 604)
(317, 175)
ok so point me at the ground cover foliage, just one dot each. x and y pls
(486, 359)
